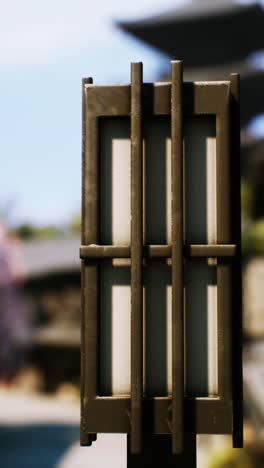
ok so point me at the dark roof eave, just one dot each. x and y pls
(203, 40)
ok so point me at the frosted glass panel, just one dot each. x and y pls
(200, 275)
(115, 181)
(201, 332)
(157, 145)
(115, 357)
(115, 329)
(200, 176)
(158, 316)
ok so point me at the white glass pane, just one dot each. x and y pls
(115, 181)
(200, 275)
(115, 298)
(201, 337)
(200, 176)
(158, 371)
(115, 329)
(157, 169)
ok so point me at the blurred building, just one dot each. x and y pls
(53, 291)
(204, 33)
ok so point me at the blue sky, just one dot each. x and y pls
(47, 47)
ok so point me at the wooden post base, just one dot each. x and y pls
(157, 452)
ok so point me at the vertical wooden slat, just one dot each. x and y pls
(224, 236)
(237, 270)
(85, 182)
(89, 268)
(136, 259)
(177, 257)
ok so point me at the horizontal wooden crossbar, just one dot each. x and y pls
(210, 415)
(104, 251)
(152, 251)
(218, 250)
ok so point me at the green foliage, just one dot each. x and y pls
(25, 231)
(253, 238)
(28, 231)
(259, 236)
(252, 230)
(47, 231)
(247, 196)
(248, 240)
(231, 458)
(75, 224)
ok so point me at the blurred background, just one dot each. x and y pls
(46, 48)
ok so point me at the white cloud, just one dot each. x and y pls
(34, 31)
